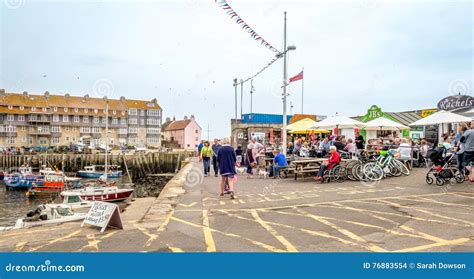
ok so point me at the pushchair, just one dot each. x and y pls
(443, 170)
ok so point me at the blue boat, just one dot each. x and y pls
(21, 182)
(96, 172)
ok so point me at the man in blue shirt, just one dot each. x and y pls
(215, 150)
(279, 162)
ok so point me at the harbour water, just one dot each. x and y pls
(15, 204)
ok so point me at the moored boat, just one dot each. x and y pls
(94, 193)
(96, 171)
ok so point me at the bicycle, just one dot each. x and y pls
(385, 165)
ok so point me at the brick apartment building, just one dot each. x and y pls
(58, 120)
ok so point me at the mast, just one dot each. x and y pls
(106, 136)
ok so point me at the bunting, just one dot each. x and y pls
(259, 72)
(234, 16)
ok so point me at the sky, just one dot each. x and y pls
(401, 55)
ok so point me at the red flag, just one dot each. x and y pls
(297, 77)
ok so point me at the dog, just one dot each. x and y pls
(241, 170)
(263, 174)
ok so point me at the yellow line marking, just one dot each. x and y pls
(425, 200)
(345, 232)
(56, 240)
(459, 195)
(282, 239)
(427, 212)
(175, 249)
(260, 244)
(187, 205)
(211, 246)
(165, 222)
(92, 243)
(151, 236)
(20, 245)
(437, 244)
(403, 227)
(311, 232)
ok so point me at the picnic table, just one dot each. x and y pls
(310, 165)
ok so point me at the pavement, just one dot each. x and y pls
(400, 214)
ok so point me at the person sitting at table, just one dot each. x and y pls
(324, 146)
(350, 146)
(279, 162)
(334, 160)
(338, 144)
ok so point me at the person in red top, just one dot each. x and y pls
(333, 160)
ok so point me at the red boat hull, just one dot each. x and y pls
(108, 197)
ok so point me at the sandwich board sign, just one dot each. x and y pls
(103, 215)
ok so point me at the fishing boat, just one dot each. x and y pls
(47, 214)
(96, 171)
(74, 200)
(52, 185)
(23, 179)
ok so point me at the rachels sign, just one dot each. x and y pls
(457, 102)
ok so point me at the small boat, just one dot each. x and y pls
(23, 179)
(47, 214)
(52, 185)
(96, 171)
(100, 193)
(74, 200)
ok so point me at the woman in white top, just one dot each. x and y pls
(404, 149)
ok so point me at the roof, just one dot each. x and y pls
(298, 117)
(22, 104)
(178, 125)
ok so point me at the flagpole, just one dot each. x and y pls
(302, 91)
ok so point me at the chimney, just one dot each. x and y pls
(168, 119)
(46, 94)
(192, 116)
(86, 98)
(174, 118)
(154, 101)
(67, 95)
(185, 117)
(2, 92)
(25, 94)
(122, 99)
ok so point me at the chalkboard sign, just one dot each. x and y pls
(103, 215)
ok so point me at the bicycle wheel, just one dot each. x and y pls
(349, 168)
(401, 167)
(394, 171)
(372, 171)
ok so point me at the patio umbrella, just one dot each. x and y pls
(384, 124)
(304, 126)
(339, 122)
(441, 117)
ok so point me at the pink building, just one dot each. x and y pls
(183, 133)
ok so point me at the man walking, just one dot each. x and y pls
(226, 159)
(215, 150)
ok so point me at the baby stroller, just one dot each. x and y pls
(442, 169)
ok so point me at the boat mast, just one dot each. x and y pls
(106, 135)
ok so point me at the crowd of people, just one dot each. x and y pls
(224, 159)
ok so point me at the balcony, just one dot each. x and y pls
(8, 134)
(40, 133)
(42, 119)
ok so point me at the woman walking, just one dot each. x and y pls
(206, 153)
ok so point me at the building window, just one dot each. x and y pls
(76, 118)
(197, 131)
(10, 117)
(76, 110)
(132, 121)
(85, 130)
(11, 140)
(23, 139)
(96, 120)
(114, 121)
(123, 131)
(104, 120)
(65, 118)
(33, 108)
(65, 109)
(23, 128)
(85, 119)
(96, 110)
(66, 128)
(45, 109)
(86, 110)
(132, 140)
(153, 112)
(123, 112)
(96, 130)
(21, 118)
(55, 140)
(142, 121)
(142, 112)
(132, 112)
(123, 121)
(114, 112)
(10, 107)
(55, 129)
(22, 107)
(10, 129)
(55, 118)
(55, 108)
(132, 130)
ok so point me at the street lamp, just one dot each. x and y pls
(285, 79)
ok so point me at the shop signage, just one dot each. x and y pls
(426, 112)
(457, 102)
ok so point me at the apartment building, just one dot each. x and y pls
(51, 120)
